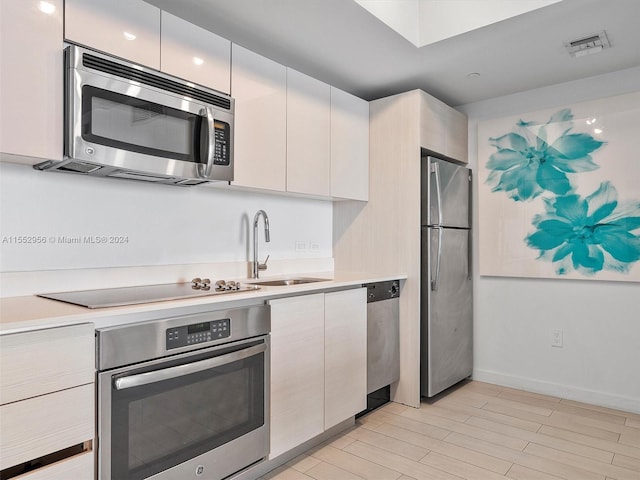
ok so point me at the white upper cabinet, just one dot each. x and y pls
(130, 30)
(308, 134)
(349, 146)
(31, 74)
(195, 54)
(259, 87)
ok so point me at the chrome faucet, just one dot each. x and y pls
(257, 266)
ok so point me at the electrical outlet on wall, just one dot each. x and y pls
(301, 246)
(556, 338)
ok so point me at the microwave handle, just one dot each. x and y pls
(186, 369)
(205, 170)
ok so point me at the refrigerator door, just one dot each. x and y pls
(446, 189)
(446, 309)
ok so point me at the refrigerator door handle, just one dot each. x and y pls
(436, 174)
(469, 258)
(436, 279)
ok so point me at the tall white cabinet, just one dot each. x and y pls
(386, 231)
(30, 52)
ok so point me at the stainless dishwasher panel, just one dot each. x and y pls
(383, 334)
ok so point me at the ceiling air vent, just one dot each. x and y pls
(589, 44)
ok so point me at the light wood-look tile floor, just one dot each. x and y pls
(479, 431)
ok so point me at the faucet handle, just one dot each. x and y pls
(263, 266)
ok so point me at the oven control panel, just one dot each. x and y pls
(193, 334)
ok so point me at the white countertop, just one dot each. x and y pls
(18, 314)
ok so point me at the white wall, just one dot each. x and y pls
(163, 224)
(514, 317)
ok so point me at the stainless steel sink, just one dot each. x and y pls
(287, 281)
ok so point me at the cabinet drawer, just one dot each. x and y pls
(45, 361)
(78, 467)
(42, 425)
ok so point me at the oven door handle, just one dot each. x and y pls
(186, 369)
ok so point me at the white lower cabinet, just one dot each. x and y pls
(297, 371)
(345, 355)
(78, 467)
(47, 403)
(318, 364)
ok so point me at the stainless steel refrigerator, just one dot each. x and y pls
(446, 297)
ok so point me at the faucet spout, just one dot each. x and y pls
(257, 266)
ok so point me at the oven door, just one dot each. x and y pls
(198, 415)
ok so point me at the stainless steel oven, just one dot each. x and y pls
(184, 397)
(126, 121)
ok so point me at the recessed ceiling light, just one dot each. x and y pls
(129, 36)
(46, 7)
(473, 75)
(198, 60)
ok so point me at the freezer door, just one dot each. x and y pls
(446, 309)
(445, 193)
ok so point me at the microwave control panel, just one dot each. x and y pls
(202, 332)
(222, 152)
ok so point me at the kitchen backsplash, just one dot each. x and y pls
(59, 222)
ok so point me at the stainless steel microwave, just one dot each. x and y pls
(127, 121)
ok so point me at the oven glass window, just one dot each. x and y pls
(160, 425)
(136, 125)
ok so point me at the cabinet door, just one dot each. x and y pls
(44, 361)
(308, 134)
(457, 135)
(345, 353)
(297, 371)
(195, 54)
(46, 424)
(259, 87)
(30, 51)
(130, 30)
(349, 146)
(78, 467)
(443, 129)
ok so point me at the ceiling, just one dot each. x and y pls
(341, 43)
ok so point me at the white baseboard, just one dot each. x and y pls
(569, 392)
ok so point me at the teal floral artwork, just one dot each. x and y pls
(558, 192)
(588, 234)
(536, 158)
